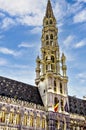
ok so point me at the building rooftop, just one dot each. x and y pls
(25, 92)
(77, 106)
(18, 90)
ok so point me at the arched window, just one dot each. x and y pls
(52, 59)
(51, 21)
(51, 36)
(61, 91)
(47, 37)
(31, 120)
(43, 123)
(62, 105)
(38, 121)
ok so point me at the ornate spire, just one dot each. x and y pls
(49, 11)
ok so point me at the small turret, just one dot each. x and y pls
(37, 70)
(64, 67)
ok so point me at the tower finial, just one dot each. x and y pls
(49, 11)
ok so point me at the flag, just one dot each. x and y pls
(56, 107)
(66, 107)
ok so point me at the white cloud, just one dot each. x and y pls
(80, 44)
(26, 45)
(68, 41)
(30, 20)
(9, 51)
(36, 30)
(25, 11)
(22, 7)
(80, 17)
(60, 9)
(7, 22)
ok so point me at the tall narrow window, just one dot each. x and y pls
(62, 105)
(52, 59)
(47, 37)
(51, 21)
(46, 67)
(61, 91)
(55, 85)
(51, 36)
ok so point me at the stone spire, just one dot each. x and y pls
(49, 11)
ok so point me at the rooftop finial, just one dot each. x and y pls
(49, 11)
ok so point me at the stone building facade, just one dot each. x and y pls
(46, 106)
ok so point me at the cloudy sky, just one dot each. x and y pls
(20, 34)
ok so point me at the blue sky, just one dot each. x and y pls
(20, 39)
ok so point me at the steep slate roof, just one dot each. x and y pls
(15, 89)
(77, 106)
(19, 90)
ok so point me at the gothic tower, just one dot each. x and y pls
(51, 77)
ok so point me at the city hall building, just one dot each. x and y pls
(46, 106)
